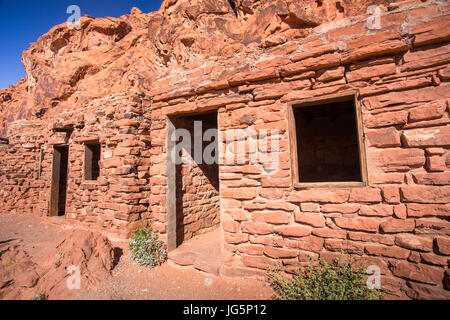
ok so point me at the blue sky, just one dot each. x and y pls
(23, 22)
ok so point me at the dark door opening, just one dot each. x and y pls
(59, 181)
(197, 179)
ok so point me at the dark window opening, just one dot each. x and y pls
(91, 161)
(327, 143)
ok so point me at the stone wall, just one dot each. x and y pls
(20, 168)
(399, 221)
(119, 198)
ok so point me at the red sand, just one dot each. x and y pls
(38, 237)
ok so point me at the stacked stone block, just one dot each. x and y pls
(399, 221)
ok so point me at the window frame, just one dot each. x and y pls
(292, 136)
(88, 160)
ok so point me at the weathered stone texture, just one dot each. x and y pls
(119, 198)
(398, 222)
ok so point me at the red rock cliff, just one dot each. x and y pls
(67, 68)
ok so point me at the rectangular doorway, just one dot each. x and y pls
(193, 177)
(59, 181)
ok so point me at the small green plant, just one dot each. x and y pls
(40, 296)
(324, 281)
(146, 250)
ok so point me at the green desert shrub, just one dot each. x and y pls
(39, 296)
(145, 248)
(341, 280)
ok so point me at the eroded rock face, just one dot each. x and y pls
(68, 68)
(22, 278)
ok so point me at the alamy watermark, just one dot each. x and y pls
(73, 282)
(230, 147)
(73, 22)
(374, 20)
(374, 278)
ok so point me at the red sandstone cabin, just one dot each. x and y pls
(358, 97)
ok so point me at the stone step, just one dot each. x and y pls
(182, 258)
(202, 262)
(208, 264)
(201, 252)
